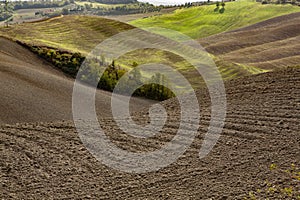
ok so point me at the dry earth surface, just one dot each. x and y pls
(33, 90)
(42, 156)
(270, 44)
(48, 160)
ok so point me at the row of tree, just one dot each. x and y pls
(123, 9)
(293, 2)
(113, 1)
(40, 4)
(70, 63)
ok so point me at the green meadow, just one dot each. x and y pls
(203, 21)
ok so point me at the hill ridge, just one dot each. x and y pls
(34, 90)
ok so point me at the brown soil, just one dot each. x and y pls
(270, 44)
(48, 160)
(33, 90)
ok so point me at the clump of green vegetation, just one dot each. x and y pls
(286, 188)
(91, 71)
(70, 64)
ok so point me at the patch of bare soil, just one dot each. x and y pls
(270, 44)
(48, 160)
(33, 90)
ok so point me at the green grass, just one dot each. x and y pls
(72, 33)
(228, 70)
(199, 22)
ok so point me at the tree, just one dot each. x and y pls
(217, 7)
(222, 10)
(65, 11)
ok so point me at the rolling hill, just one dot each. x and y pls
(33, 90)
(253, 157)
(257, 156)
(266, 45)
(203, 21)
(83, 33)
(254, 49)
(74, 33)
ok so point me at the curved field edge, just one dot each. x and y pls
(73, 33)
(267, 45)
(203, 21)
(83, 33)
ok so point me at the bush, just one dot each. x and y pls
(114, 73)
(68, 62)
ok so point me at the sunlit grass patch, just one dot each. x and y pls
(199, 22)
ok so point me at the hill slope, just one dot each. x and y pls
(32, 90)
(74, 33)
(49, 161)
(199, 22)
(83, 33)
(267, 45)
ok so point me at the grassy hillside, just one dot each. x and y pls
(199, 22)
(74, 33)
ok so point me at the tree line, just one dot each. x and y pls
(122, 9)
(114, 1)
(70, 63)
(70, 7)
(39, 4)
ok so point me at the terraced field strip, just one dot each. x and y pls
(73, 33)
(266, 45)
